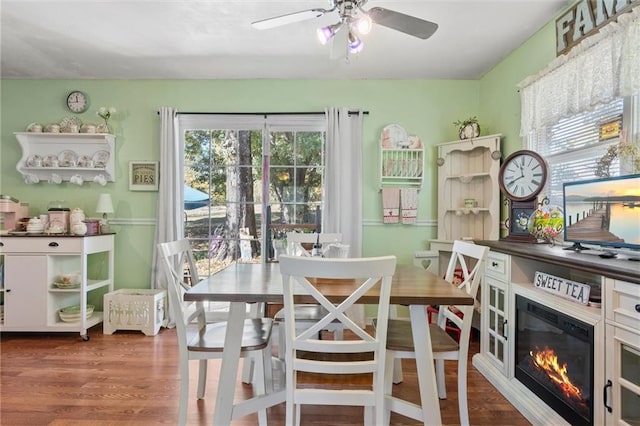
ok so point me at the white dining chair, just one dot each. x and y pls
(470, 259)
(201, 340)
(308, 313)
(335, 372)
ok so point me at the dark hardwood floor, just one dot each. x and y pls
(131, 379)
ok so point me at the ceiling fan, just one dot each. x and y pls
(356, 20)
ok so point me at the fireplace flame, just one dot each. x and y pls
(547, 360)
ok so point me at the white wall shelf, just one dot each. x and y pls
(81, 157)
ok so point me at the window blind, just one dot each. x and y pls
(572, 147)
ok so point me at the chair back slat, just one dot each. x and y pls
(464, 254)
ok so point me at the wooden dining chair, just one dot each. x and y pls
(201, 340)
(335, 372)
(444, 346)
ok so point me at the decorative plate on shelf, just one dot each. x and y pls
(67, 158)
(546, 222)
(66, 285)
(100, 159)
(33, 160)
(67, 122)
(72, 313)
(394, 136)
(49, 160)
(85, 161)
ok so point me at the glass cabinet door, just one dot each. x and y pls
(496, 340)
(629, 383)
(624, 404)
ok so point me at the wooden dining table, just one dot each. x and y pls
(244, 283)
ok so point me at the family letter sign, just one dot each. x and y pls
(568, 289)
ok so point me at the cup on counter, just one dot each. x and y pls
(73, 128)
(54, 162)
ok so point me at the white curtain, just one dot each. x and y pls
(343, 184)
(601, 68)
(169, 213)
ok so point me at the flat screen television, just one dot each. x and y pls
(603, 212)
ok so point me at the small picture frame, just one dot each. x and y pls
(143, 175)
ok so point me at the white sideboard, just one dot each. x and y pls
(32, 264)
(510, 271)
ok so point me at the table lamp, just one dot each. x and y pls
(104, 206)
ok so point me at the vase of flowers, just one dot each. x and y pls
(105, 113)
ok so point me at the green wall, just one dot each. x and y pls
(425, 108)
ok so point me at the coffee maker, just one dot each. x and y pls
(12, 211)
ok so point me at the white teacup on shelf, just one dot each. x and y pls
(100, 179)
(30, 178)
(52, 128)
(88, 128)
(34, 128)
(77, 180)
(55, 178)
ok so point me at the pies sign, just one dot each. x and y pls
(572, 290)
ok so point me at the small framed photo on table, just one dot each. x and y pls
(143, 175)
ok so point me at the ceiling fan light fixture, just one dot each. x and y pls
(326, 33)
(355, 44)
(363, 24)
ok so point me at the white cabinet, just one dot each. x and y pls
(622, 392)
(75, 157)
(495, 311)
(510, 272)
(32, 264)
(468, 190)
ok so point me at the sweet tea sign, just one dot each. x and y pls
(572, 290)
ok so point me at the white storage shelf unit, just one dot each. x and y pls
(468, 169)
(97, 147)
(32, 264)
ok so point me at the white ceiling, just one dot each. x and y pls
(161, 39)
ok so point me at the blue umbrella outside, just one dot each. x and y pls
(194, 198)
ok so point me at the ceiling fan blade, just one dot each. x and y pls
(289, 18)
(400, 22)
(339, 46)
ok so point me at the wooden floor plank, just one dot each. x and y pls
(128, 378)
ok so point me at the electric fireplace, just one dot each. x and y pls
(554, 359)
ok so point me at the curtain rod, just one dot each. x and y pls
(263, 113)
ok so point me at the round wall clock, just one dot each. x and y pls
(522, 175)
(77, 102)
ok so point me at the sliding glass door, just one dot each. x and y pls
(248, 179)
